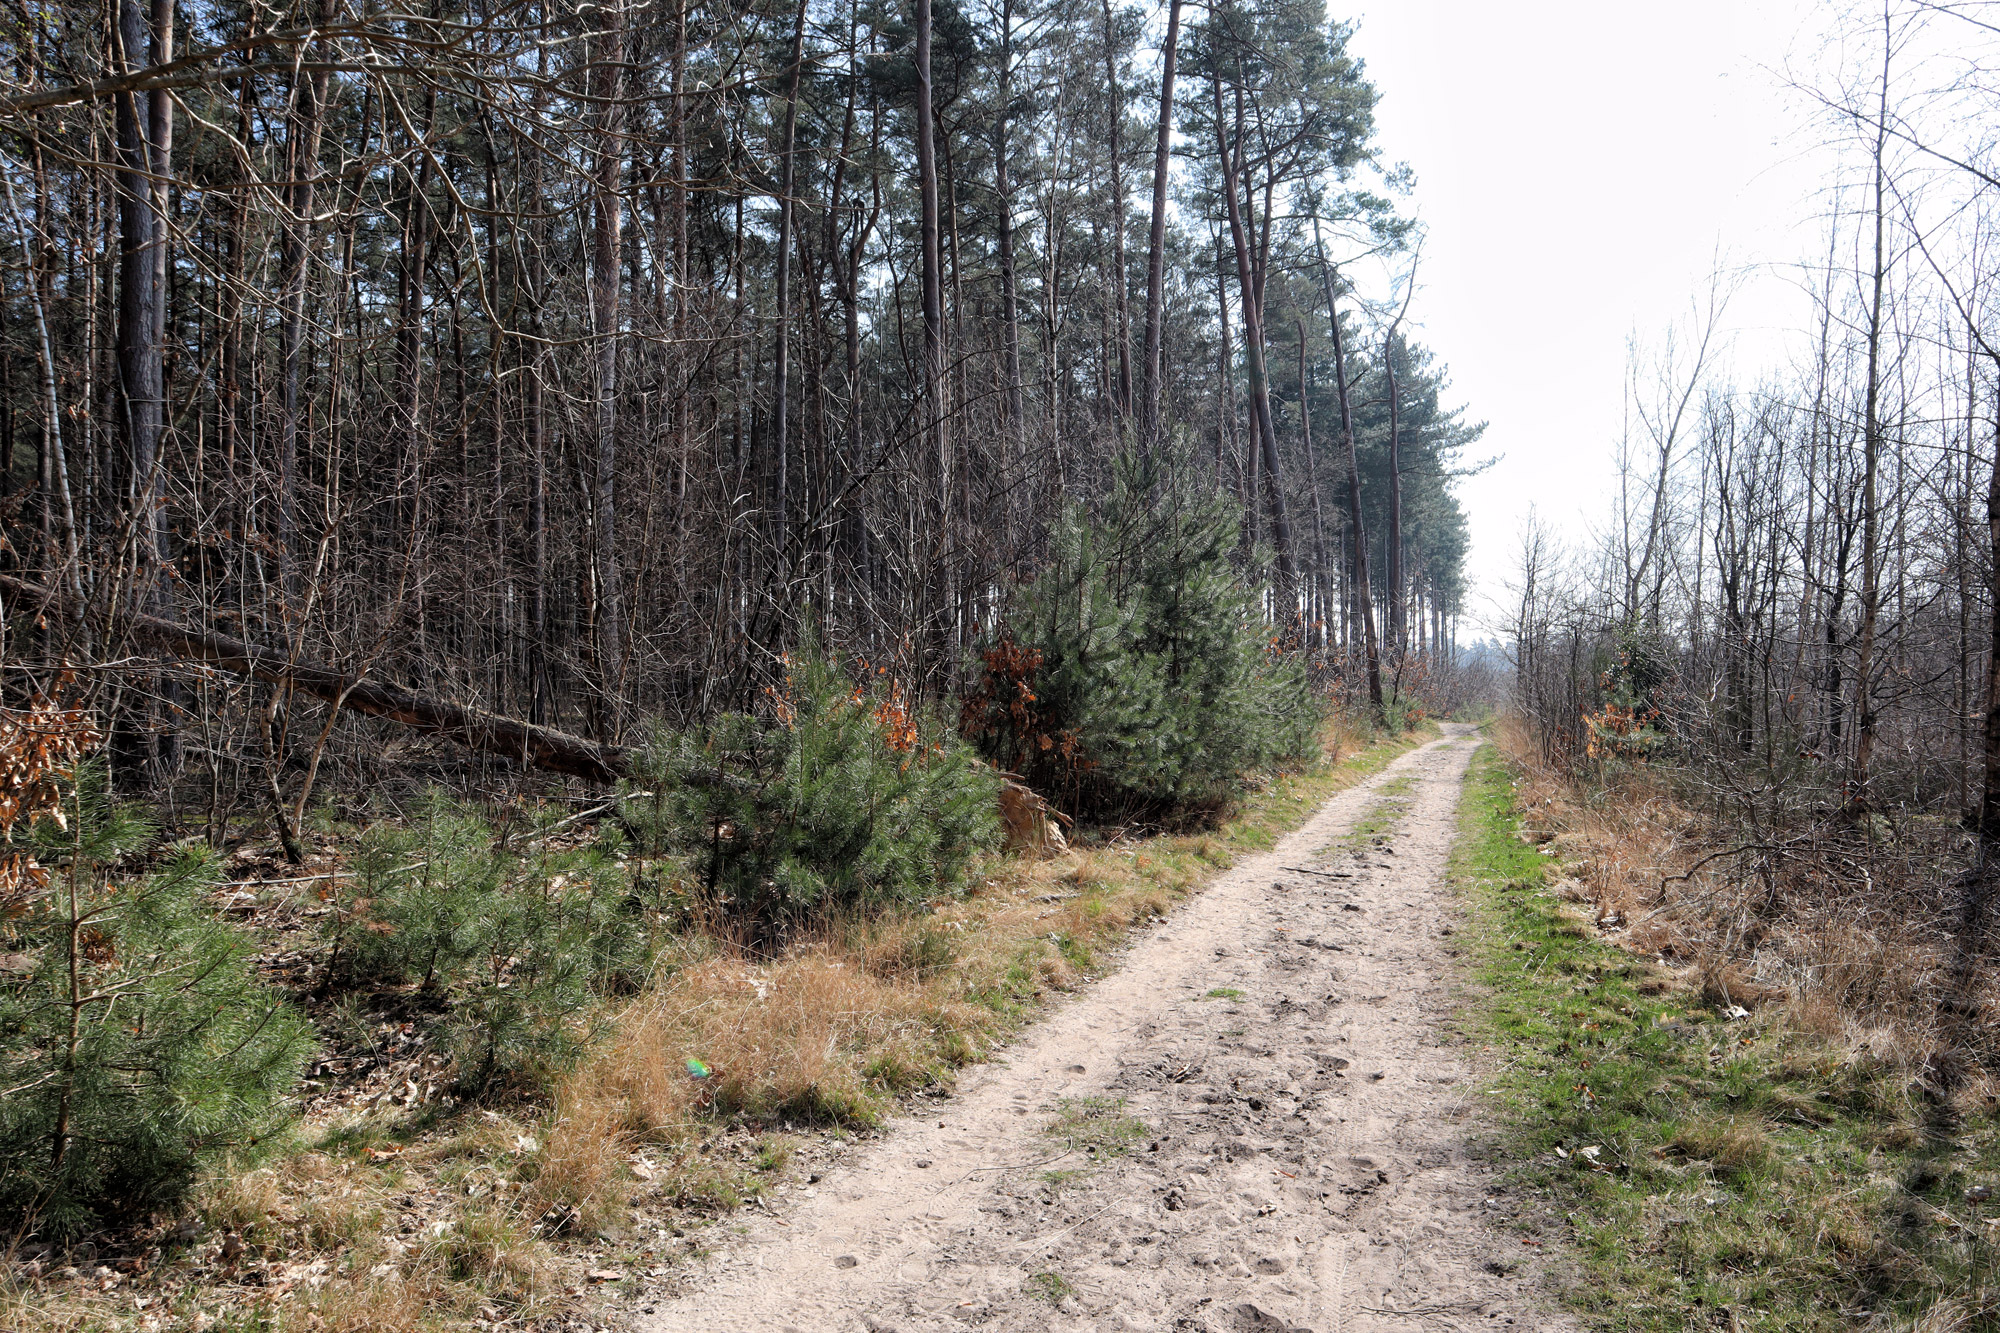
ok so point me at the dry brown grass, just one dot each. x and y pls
(304, 1202)
(244, 1201)
(391, 1305)
(487, 1261)
(1855, 948)
(23, 1306)
(315, 1258)
(1729, 1146)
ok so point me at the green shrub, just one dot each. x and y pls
(838, 801)
(419, 898)
(513, 949)
(1136, 673)
(136, 1041)
(1635, 683)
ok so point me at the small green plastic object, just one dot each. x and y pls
(697, 1068)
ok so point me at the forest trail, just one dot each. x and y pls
(1283, 1040)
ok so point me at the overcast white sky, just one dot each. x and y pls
(1580, 166)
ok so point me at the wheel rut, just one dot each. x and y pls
(1260, 1123)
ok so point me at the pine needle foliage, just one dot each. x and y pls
(1635, 687)
(136, 1041)
(511, 949)
(843, 798)
(1136, 675)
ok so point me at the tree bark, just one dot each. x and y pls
(1979, 889)
(1398, 609)
(301, 166)
(1003, 188)
(1226, 446)
(936, 414)
(541, 700)
(1363, 595)
(1315, 586)
(142, 739)
(1871, 450)
(1253, 357)
(781, 352)
(142, 391)
(1121, 328)
(606, 261)
(1156, 237)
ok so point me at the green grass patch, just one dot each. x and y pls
(1092, 1130)
(1375, 825)
(1714, 1173)
(1096, 1126)
(1378, 823)
(1050, 1287)
(1223, 993)
(1398, 786)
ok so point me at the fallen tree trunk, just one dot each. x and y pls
(523, 742)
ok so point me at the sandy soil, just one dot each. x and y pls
(1304, 1159)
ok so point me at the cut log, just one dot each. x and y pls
(523, 742)
(1027, 819)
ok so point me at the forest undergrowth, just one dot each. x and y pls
(1741, 1109)
(594, 1165)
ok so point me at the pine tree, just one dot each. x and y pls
(514, 949)
(136, 1040)
(840, 798)
(1135, 674)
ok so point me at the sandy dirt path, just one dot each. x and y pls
(1303, 1162)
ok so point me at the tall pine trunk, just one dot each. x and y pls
(1156, 238)
(1364, 599)
(1315, 587)
(301, 166)
(142, 237)
(781, 352)
(1979, 886)
(936, 409)
(144, 142)
(1003, 188)
(1253, 356)
(1121, 327)
(1398, 608)
(605, 262)
(1865, 720)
